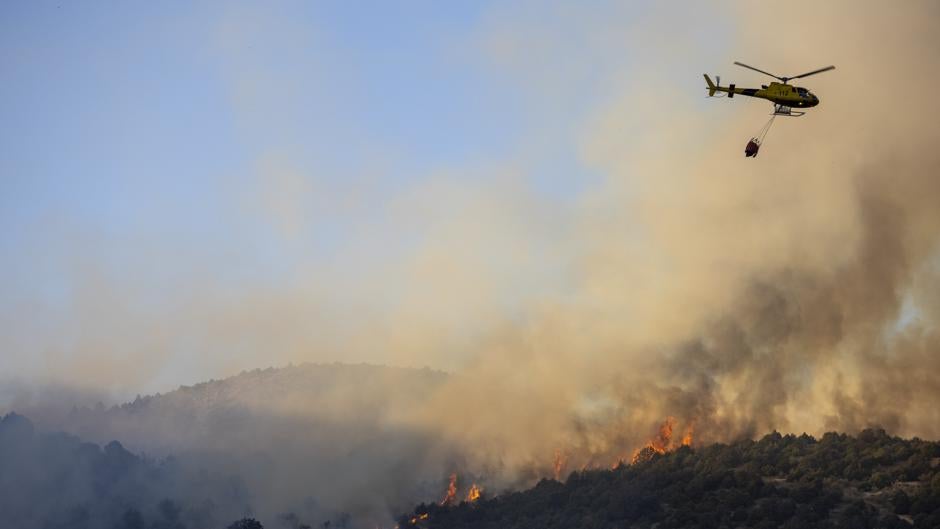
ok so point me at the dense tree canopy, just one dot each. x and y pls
(868, 481)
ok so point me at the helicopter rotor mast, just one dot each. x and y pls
(785, 79)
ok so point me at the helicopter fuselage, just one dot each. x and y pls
(779, 93)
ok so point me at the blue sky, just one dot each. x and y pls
(117, 114)
(154, 151)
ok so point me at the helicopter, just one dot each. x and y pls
(784, 96)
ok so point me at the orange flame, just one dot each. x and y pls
(665, 440)
(451, 490)
(660, 443)
(687, 438)
(560, 464)
(474, 493)
(415, 519)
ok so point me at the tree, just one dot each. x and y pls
(246, 523)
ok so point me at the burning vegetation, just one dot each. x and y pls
(559, 465)
(417, 518)
(450, 497)
(451, 493)
(663, 441)
(474, 493)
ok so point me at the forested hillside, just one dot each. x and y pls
(57, 481)
(873, 480)
(869, 481)
(318, 440)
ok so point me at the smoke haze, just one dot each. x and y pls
(799, 291)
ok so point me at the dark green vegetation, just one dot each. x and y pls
(869, 481)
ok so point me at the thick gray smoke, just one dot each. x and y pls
(795, 292)
(799, 291)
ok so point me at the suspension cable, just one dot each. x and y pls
(765, 129)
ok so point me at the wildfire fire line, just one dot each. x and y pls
(473, 494)
(663, 441)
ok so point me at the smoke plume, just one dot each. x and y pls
(798, 291)
(795, 293)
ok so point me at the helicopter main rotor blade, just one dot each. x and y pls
(814, 72)
(756, 70)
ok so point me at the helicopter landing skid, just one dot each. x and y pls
(781, 110)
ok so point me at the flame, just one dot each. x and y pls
(662, 442)
(687, 438)
(560, 464)
(415, 519)
(665, 432)
(451, 490)
(666, 439)
(474, 493)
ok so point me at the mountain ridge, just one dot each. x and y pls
(309, 392)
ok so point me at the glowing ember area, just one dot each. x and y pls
(560, 464)
(415, 519)
(451, 490)
(474, 493)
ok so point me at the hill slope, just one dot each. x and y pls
(869, 481)
(226, 413)
(323, 439)
(57, 481)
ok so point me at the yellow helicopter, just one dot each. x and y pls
(784, 96)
